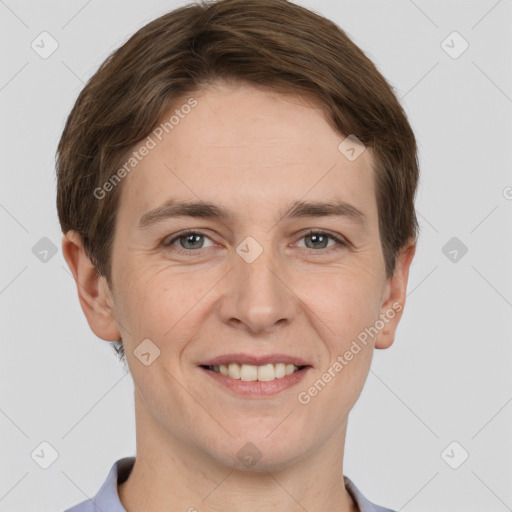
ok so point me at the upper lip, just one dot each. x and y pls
(257, 360)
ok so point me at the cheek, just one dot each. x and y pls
(160, 306)
(345, 301)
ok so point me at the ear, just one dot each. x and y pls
(93, 291)
(394, 296)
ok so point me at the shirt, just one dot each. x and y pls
(107, 498)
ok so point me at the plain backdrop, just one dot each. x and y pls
(441, 392)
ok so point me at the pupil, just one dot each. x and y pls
(190, 238)
(316, 237)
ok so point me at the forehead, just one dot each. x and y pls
(248, 150)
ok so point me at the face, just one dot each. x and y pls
(254, 282)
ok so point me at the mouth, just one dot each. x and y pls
(255, 382)
(255, 375)
(250, 373)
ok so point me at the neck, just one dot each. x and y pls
(171, 473)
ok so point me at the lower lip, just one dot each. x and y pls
(256, 388)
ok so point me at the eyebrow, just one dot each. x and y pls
(173, 208)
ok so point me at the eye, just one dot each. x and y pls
(319, 240)
(189, 241)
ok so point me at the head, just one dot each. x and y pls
(240, 106)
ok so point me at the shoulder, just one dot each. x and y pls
(363, 503)
(85, 506)
(107, 498)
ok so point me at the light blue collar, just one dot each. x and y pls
(107, 498)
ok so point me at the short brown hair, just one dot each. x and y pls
(267, 43)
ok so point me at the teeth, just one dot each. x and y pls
(234, 371)
(249, 372)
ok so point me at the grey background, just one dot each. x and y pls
(447, 377)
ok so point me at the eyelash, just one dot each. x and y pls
(188, 252)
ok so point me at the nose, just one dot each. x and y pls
(257, 296)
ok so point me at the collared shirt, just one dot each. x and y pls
(107, 498)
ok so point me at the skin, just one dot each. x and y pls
(252, 152)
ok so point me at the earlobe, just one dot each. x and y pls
(394, 297)
(93, 291)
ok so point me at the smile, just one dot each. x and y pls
(249, 372)
(250, 381)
